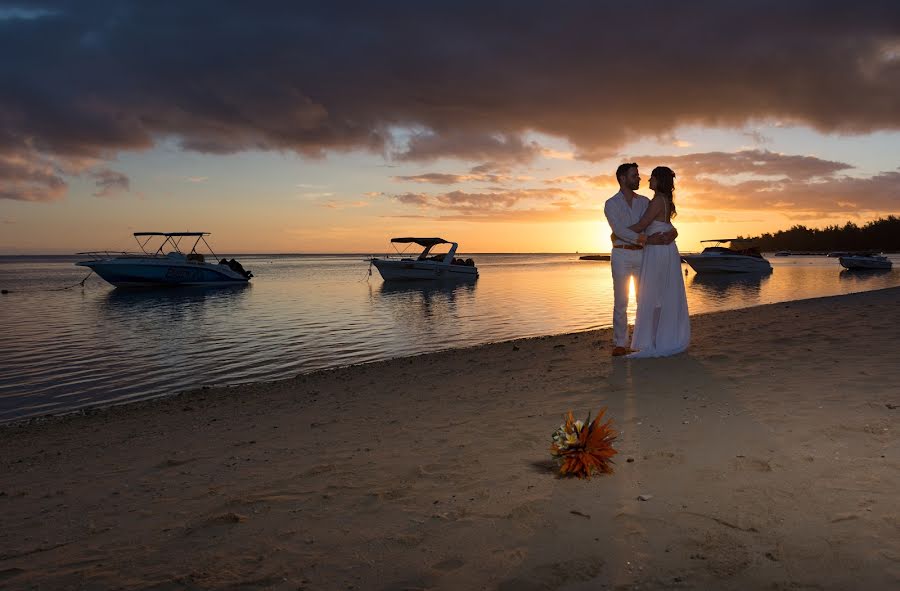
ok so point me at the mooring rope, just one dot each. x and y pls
(81, 283)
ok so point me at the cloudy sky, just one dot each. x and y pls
(331, 126)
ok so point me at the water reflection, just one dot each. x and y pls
(174, 305)
(128, 300)
(67, 349)
(731, 286)
(425, 291)
(429, 315)
(412, 303)
(864, 276)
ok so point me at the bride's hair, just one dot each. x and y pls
(665, 184)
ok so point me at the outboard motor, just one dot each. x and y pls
(236, 267)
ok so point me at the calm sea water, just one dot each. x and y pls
(65, 350)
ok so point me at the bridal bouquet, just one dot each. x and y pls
(583, 448)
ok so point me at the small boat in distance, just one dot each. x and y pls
(439, 266)
(865, 261)
(719, 259)
(168, 265)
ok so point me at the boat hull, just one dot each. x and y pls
(409, 270)
(864, 263)
(701, 263)
(155, 273)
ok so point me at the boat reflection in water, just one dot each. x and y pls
(729, 290)
(863, 276)
(407, 296)
(439, 312)
(182, 309)
(184, 298)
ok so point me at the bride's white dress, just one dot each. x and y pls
(662, 326)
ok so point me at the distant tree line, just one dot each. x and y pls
(881, 235)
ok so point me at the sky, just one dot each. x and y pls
(313, 127)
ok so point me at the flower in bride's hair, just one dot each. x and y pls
(584, 448)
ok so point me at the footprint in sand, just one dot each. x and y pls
(449, 564)
(225, 519)
(752, 464)
(172, 462)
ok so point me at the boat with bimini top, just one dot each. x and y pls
(437, 266)
(166, 265)
(720, 259)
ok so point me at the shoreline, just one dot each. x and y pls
(603, 334)
(768, 451)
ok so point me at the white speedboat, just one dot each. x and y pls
(167, 265)
(865, 261)
(719, 259)
(439, 266)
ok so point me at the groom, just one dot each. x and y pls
(622, 210)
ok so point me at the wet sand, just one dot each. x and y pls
(769, 453)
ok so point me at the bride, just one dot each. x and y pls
(662, 326)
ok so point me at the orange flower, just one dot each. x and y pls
(587, 449)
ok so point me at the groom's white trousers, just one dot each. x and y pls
(625, 265)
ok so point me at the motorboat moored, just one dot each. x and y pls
(719, 259)
(425, 267)
(167, 265)
(865, 261)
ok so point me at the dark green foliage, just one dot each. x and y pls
(880, 235)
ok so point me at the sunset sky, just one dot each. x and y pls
(332, 126)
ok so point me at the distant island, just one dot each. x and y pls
(880, 235)
(594, 257)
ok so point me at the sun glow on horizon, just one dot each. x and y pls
(258, 202)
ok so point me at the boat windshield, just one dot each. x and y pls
(435, 253)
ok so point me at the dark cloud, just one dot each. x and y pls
(109, 182)
(411, 199)
(488, 172)
(25, 176)
(435, 178)
(763, 180)
(879, 194)
(747, 162)
(461, 79)
(799, 187)
(494, 205)
(469, 146)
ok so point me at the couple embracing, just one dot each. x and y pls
(644, 248)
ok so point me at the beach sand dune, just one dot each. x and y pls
(767, 455)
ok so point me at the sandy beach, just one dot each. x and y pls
(768, 455)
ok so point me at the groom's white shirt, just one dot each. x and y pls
(620, 216)
(625, 263)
